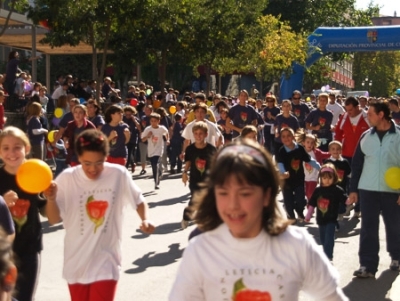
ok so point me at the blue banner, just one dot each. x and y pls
(341, 39)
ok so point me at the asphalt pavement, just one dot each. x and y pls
(149, 263)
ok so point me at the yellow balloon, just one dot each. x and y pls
(50, 136)
(392, 177)
(172, 109)
(34, 176)
(58, 112)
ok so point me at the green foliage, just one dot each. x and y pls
(304, 16)
(269, 48)
(382, 68)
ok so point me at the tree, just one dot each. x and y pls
(304, 16)
(90, 21)
(19, 6)
(269, 49)
(381, 68)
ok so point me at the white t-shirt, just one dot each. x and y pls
(310, 173)
(215, 264)
(336, 110)
(92, 244)
(212, 136)
(155, 144)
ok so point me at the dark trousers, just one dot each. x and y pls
(175, 151)
(187, 212)
(372, 204)
(357, 205)
(28, 269)
(294, 200)
(327, 237)
(269, 140)
(156, 168)
(131, 146)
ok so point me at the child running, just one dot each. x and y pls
(90, 199)
(24, 208)
(343, 171)
(290, 158)
(247, 250)
(327, 199)
(154, 134)
(197, 161)
(310, 143)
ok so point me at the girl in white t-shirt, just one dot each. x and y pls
(247, 250)
(311, 143)
(90, 200)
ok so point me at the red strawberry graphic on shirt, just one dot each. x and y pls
(19, 213)
(96, 211)
(297, 112)
(200, 165)
(308, 167)
(241, 293)
(323, 204)
(284, 125)
(340, 174)
(154, 139)
(243, 116)
(321, 121)
(295, 164)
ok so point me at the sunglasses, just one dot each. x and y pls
(270, 100)
(296, 98)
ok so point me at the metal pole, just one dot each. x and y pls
(48, 81)
(34, 63)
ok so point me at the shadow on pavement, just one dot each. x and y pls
(153, 259)
(160, 229)
(167, 202)
(347, 229)
(371, 289)
(46, 228)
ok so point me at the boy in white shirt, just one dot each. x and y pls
(155, 147)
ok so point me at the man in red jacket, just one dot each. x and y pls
(348, 130)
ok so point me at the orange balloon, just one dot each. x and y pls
(34, 176)
(156, 104)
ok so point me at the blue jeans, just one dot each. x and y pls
(327, 237)
(372, 204)
(155, 162)
(294, 200)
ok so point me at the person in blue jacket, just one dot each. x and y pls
(378, 149)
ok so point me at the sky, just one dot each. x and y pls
(387, 6)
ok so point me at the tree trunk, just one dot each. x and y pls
(163, 70)
(103, 59)
(12, 6)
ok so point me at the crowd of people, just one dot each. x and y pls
(327, 155)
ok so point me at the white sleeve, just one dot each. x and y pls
(145, 132)
(186, 132)
(188, 282)
(62, 190)
(132, 193)
(39, 131)
(321, 279)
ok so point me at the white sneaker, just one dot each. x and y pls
(184, 224)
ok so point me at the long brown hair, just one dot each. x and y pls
(252, 165)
